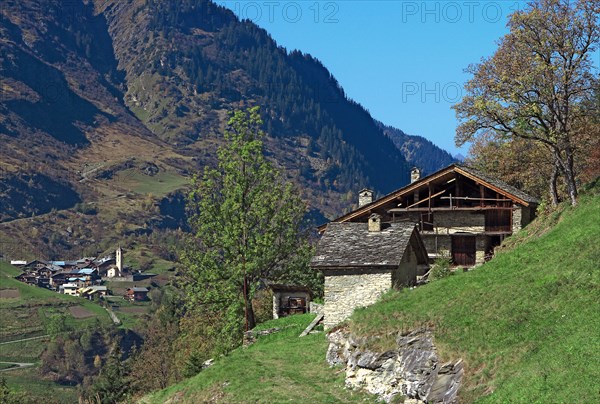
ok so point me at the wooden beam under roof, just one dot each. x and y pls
(427, 199)
(493, 187)
(398, 194)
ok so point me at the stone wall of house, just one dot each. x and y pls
(448, 222)
(280, 299)
(406, 273)
(347, 289)
(481, 246)
(517, 216)
(441, 244)
(522, 216)
(437, 243)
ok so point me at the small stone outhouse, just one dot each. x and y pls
(290, 299)
(361, 261)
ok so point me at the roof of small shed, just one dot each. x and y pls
(353, 245)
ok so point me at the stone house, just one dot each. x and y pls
(461, 213)
(136, 294)
(361, 261)
(289, 299)
(113, 271)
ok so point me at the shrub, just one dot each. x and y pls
(440, 269)
(86, 209)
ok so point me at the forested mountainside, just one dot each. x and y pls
(114, 104)
(418, 151)
(203, 61)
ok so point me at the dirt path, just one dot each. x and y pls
(24, 339)
(113, 316)
(18, 365)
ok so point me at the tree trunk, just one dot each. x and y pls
(570, 176)
(553, 190)
(565, 166)
(251, 319)
(248, 309)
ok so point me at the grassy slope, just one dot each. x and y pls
(527, 323)
(279, 367)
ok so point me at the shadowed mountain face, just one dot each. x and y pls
(110, 86)
(27, 195)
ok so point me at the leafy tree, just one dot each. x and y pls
(246, 223)
(521, 163)
(57, 325)
(537, 84)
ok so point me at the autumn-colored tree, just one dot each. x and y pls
(520, 163)
(538, 83)
(246, 223)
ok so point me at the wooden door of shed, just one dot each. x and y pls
(463, 250)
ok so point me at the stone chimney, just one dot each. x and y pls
(374, 222)
(415, 175)
(365, 197)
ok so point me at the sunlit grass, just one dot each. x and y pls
(280, 367)
(527, 323)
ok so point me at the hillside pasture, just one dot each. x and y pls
(526, 324)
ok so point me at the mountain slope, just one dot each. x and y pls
(418, 151)
(188, 62)
(108, 106)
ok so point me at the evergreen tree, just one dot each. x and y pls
(111, 386)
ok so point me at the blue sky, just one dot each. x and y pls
(402, 60)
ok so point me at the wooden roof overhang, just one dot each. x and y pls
(447, 173)
(499, 190)
(348, 267)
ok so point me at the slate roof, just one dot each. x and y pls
(351, 244)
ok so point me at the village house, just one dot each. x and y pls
(77, 277)
(461, 213)
(59, 279)
(91, 292)
(71, 289)
(361, 261)
(38, 273)
(136, 294)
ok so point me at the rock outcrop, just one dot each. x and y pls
(412, 370)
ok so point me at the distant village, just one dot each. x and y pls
(85, 277)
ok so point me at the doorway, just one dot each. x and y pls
(463, 250)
